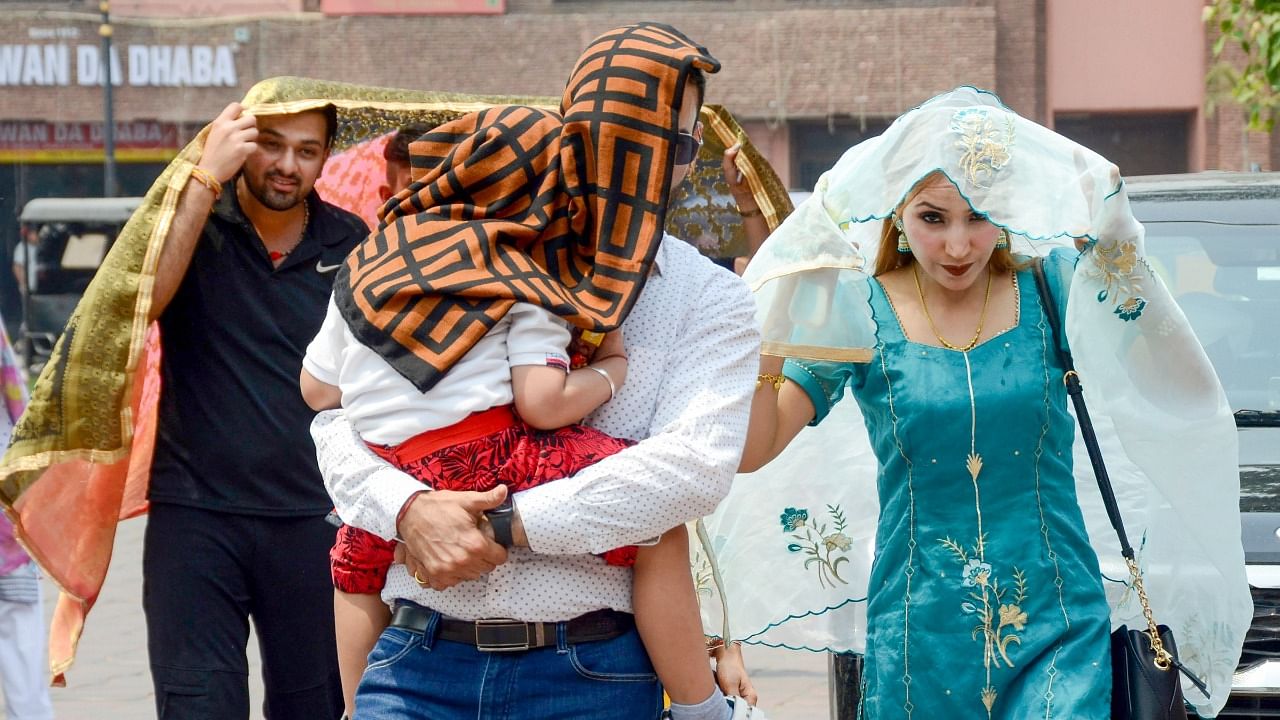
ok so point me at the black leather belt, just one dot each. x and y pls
(502, 635)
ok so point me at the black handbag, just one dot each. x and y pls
(1144, 663)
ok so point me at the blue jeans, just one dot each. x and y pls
(415, 676)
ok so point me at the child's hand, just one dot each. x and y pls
(611, 346)
(731, 673)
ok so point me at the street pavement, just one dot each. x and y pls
(110, 680)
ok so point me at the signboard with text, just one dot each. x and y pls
(65, 63)
(55, 142)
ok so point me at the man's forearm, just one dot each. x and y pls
(627, 499)
(180, 244)
(366, 490)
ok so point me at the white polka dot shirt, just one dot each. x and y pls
(693, 347)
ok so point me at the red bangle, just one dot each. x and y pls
(404, 509)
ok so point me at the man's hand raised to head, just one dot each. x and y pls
(443, 538)
(232, 138)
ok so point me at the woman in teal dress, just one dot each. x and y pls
(907, 285)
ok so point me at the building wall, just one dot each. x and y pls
(200, 8)
(1020, 56)
(1228, 143)
(787, 63)
(782, 61)
(1146, 58)
(1134, 55)
(806, 62)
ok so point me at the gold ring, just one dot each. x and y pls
(420, 581)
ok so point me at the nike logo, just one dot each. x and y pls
(322, 268)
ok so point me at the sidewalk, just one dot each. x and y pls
(110, 679)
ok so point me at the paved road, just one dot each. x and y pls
(110, 680)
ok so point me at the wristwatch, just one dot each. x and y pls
(500, 520)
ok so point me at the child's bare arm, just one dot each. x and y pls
(358, 620)
(548, 397)
(319, 395)
(667, 617)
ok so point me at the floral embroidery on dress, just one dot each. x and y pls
(1118, 266)
(824, 550)
(987, 147)
(997, 607)
(1131, 309)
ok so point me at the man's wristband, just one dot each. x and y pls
(206, 178)
(404, 509)
(500, 519)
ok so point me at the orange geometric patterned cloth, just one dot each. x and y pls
(517, 203)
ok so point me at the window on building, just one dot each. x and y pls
(817, 144)
(1146, 144)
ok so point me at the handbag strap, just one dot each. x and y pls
(1163, 658)
(1076, 392)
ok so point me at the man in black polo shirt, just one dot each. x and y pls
(236, 526)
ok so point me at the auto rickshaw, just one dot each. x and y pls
(62, 241)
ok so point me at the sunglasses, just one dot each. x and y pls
(687, 146)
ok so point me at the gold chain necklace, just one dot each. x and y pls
(277, 255)
(982, 319)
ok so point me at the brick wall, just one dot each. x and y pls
(199, 8)
(1228, 145)
(1020, 56)
(807, 62)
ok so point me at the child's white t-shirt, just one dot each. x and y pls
(385, 408)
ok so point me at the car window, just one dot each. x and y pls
(1226, 279)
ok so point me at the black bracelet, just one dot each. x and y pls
(500, 520)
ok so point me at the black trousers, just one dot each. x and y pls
(205, 574)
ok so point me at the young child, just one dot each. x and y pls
(492, 420)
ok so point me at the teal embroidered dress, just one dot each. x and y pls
(985, 599)
(932, 523)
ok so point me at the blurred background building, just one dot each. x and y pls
(807, 78)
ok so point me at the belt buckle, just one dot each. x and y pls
(484, 645)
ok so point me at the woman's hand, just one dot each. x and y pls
(738, 186)
(753, 223)
(731, 673)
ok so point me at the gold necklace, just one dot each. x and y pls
(277, 255)
(982, 319)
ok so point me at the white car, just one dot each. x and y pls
(1214, 237)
